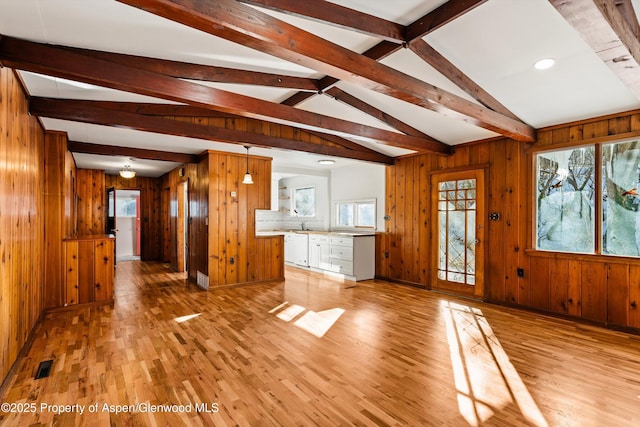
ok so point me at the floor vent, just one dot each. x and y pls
(44, 369)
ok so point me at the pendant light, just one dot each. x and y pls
(247, 176)
(127, 172)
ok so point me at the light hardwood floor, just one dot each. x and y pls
(317, 351)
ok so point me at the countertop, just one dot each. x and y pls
(331, 233)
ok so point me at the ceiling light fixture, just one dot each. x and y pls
(326, 162)
(127, 172)
(247, 176)
(544, 63)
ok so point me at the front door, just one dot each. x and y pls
(459, 232)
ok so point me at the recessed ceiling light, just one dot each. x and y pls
(326, 162)
(544, 63)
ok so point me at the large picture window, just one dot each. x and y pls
(620, 199)
(567, 191)
(565, 200)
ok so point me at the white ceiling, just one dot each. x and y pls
(495, 45)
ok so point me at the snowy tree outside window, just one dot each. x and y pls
(620, 199)
(304, 202)
(565, 214)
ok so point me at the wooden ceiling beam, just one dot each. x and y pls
(152, 109)
(369, 109)
(138, 153)
(91, 112)
(334, 14)
(200, 72)
(59, 62)
(252, 28)
(432, 57)
(439, 17)
(377, 52)
(610, 33)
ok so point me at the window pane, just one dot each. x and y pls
(345, 215)
(304, 201)
(366, 215)
(620, 183)
(565, 184)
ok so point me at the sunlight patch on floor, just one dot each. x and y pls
(315, 323)
(319, 323)
(484, 376)
(182, 319)
(289, 313)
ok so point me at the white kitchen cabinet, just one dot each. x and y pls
(301, 249)
(289, 249)
(319, 251)
(352, 256)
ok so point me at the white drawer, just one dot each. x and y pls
(341, 252)
(342, 266)
(315, 238)
(342, 241)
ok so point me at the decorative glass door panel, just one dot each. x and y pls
(458, 234)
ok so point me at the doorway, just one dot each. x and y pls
(127, 224)
(458, 209)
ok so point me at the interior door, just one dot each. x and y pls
(110, 225)
(459, 232)
(111, 211)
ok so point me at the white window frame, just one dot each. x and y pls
(356, 223)
(294, 210)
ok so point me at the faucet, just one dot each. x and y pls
(302, 225)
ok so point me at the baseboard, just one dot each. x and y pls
(22, 354)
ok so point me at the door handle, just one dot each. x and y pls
(477, 241)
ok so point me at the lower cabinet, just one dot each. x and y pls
(301, 249)
(289, 249)
(89, 269)
(319, 251)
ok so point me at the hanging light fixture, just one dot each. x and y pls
(127, 172)
(247, 176)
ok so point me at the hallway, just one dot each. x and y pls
(317, 351)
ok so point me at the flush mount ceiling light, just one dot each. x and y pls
(127, 172)
(247, 176)
(544, 63)
(326, 162)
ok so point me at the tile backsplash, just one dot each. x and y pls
(273, 220)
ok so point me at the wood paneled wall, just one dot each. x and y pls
(222, 240)
(22, 220)
(150, 210)
(91, 202)
(60, 213)
(599, 288)
(173, 214)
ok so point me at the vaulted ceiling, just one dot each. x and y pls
(158, 81)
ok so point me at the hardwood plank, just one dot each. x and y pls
(164, 341)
